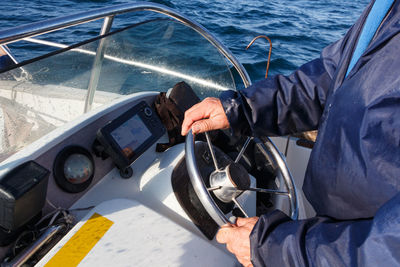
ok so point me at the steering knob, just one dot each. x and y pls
(231, 182)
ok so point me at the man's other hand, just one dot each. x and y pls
(205, 116)
(237, 238)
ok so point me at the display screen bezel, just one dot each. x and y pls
(129, 145)
(152, 123)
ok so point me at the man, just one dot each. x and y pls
(351, 94)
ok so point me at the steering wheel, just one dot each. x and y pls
(228, 182)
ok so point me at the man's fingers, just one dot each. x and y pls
(224, 234)
(244, 221)
(202, 126)
(228, 225)
(241, 221)
(191, 117)
(229, 248)
(236, 238)
(195, 113)
(210, 113)
(245, 261)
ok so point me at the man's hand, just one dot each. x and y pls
(237, 238)
(205, 116)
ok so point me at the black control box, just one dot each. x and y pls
(22, 194)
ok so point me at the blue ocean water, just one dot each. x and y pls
(298, 29)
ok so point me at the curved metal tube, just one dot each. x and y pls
(287, 177)
(198, 183)
(38, 28)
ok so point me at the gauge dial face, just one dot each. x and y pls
(78, 168)
(73, 169)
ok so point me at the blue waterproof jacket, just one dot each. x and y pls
(353, 177)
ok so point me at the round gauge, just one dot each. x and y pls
(78, 168)
(73, 169)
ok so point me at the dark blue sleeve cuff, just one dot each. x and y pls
(233, 106)
(258, 237)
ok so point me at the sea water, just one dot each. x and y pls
(298, 29)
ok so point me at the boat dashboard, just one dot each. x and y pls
(99, 148)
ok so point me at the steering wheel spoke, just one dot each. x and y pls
(237, 204)
(239, 156)
(269, 191)
(210, 189)
(210, 147)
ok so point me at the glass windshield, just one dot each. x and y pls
(150, 56)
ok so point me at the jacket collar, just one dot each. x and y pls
(388, 29)
(351, 39)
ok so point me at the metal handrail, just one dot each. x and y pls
(39, 28)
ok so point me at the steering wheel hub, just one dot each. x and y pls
(230, 182)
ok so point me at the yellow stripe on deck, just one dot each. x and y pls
(80, 244)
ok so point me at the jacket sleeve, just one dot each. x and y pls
(276, 240)
(285, 104)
